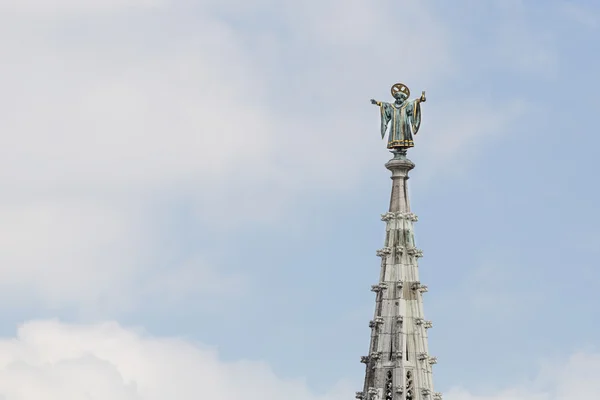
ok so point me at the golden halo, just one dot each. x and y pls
(400, 87)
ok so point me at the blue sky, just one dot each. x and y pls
(192, 192)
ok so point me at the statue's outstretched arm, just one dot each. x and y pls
(373, 101)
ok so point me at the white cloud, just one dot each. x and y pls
(66, 250)
(49, 360)
(575, 378)
(99, 108)
(94, 128)
(61, 7)
(114, 117)
(95, 255)
(242, 122)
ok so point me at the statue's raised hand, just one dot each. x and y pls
(373, 101)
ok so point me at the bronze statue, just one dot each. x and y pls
(405, 117)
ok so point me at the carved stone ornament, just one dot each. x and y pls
(386, 251)
(400, 250)
(398, 355)
(419, 287)
(425, 392)
(364, 359)
(373, 394)
(378, 321)
(427, 324)
(399, 284)
(413, 251)
(388, 216)
(411, 217)
(419, 321)
(437, 396)
(359, 395)
(378, 287)
(399, 389)
(432, 360)
(423, 356)
(405, 215)
(376, 355)
(399, 319)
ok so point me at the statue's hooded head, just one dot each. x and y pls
(400, 92)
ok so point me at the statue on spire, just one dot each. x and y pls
(405, 117)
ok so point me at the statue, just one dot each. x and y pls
(405, 117)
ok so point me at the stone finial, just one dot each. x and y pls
(427, 324)
(437, 396)
(432, 360)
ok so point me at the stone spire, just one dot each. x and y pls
(399, 366)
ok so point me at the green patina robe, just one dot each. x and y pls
(404, 121)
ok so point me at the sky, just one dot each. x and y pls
(191, 194)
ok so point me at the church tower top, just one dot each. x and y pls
(398, 364)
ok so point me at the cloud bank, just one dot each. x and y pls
(116, 108)
(49, 360)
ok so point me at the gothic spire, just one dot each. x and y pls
(398, 365)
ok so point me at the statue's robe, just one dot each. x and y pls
(404, 121)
